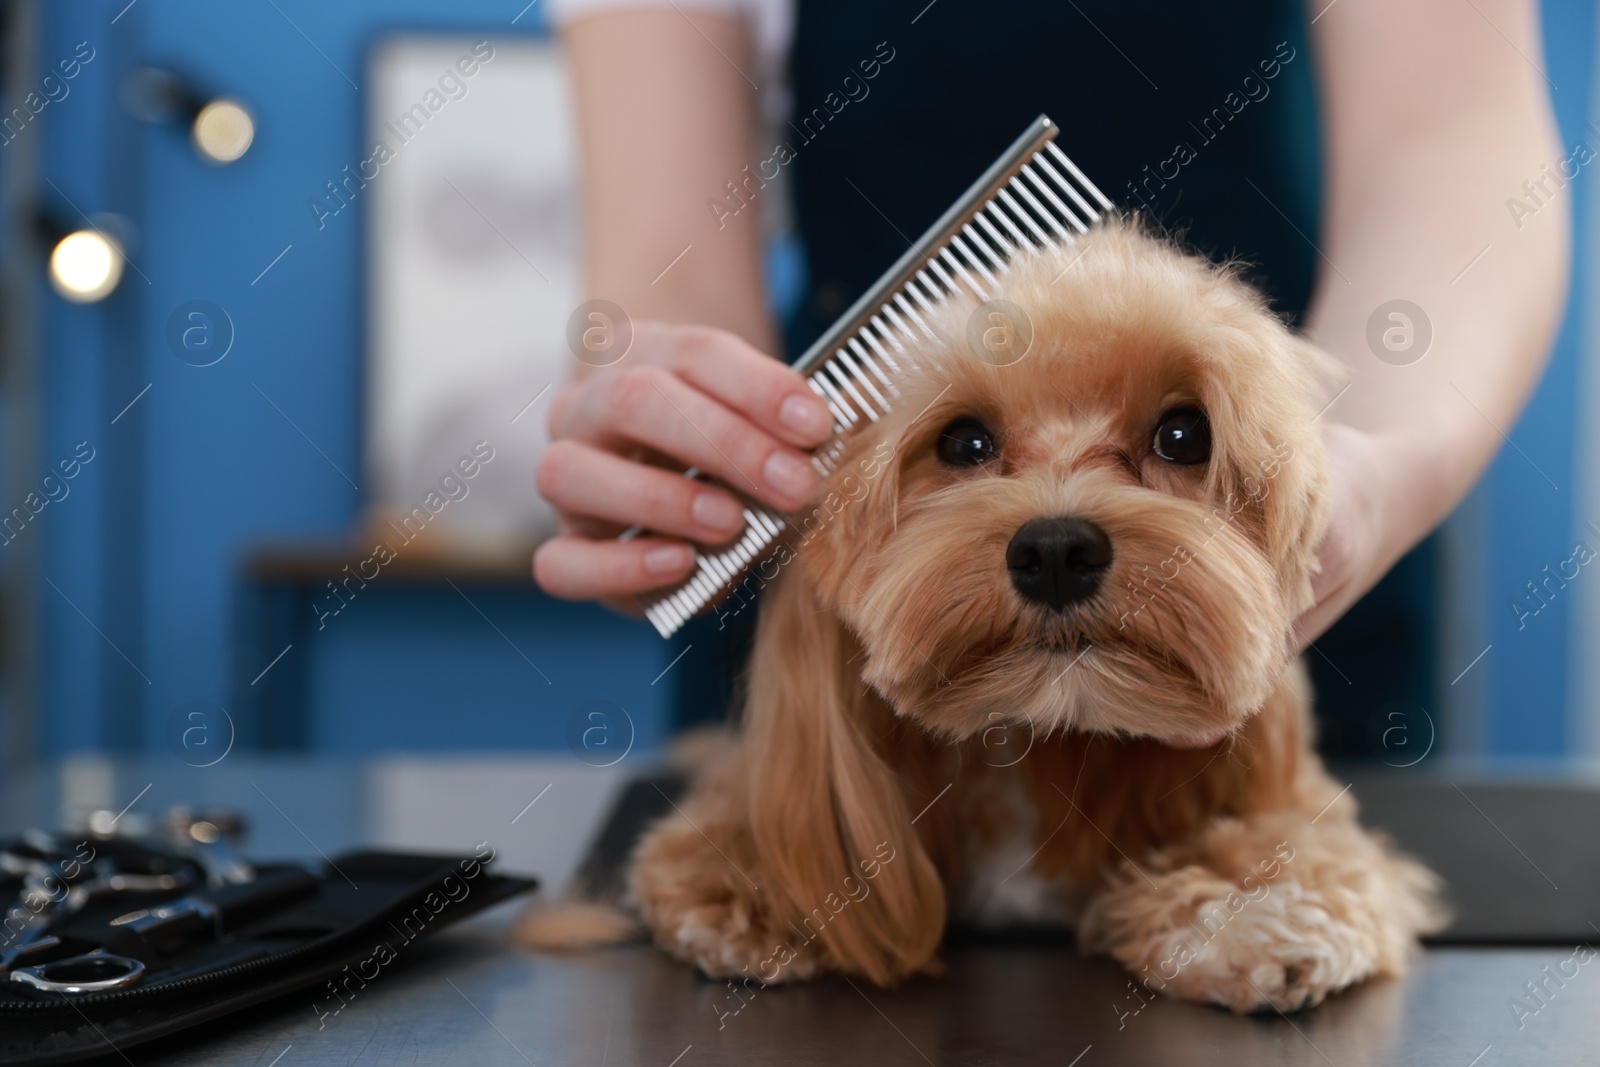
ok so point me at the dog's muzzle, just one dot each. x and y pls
(1058, 560)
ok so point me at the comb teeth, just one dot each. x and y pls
(1032, 199)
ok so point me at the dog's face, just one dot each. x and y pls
(1113, 533)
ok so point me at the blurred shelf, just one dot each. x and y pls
(316, 562)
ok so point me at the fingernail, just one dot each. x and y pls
(716, 511)
(667, 558)
(803, 414)
(792, 477)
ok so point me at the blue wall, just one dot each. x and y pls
(1531, 523)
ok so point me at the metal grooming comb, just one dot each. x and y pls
(1032, 198)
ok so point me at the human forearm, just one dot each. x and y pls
(665, 118)
(1435, 118)
(1428, 224)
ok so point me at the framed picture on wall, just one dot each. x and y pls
(472, 270)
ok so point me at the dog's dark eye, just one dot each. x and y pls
(1184, 436)
(967, 442)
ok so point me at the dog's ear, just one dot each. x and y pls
(1273, 478)
(1295, 480)
(830, 824)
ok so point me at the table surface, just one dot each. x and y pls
(466, 998)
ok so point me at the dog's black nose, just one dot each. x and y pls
(1058, 560)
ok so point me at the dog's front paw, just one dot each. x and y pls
(706, 912)
(1192, 934)
(1283, 950)
(729, 938)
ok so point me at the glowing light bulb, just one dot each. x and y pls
(223, 130)
(85, 266)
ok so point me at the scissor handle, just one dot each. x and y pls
(92, 972)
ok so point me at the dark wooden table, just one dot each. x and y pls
(467, 998)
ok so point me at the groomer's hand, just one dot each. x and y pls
(682, 396)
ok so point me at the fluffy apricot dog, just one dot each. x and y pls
(1036, 662)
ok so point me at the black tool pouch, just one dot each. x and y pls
(332, 928)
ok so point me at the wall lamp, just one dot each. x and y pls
(85, 262)
(220, 127)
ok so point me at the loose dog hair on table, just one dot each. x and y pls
(1104, 539)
